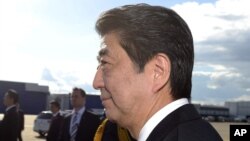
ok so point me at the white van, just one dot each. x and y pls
(42, 122)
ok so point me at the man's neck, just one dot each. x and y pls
(155, 105)
(55, 113)
(78, 108)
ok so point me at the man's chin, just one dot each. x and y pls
(111, 119)
(106, 101)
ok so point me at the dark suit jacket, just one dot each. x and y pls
(55, 127)
(21, 120)
(184, 124)
(9, 125)
(86, 129)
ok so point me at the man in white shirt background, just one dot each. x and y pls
(81, 125)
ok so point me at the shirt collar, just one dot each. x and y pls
(79, 115)
(8, 108)
(80, 112)
(159, 116)
(55, 114)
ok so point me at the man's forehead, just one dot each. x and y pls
(109, 46)
(76, 93)
(108, 40)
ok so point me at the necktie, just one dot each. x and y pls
(74, 127)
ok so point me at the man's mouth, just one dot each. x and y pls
(105, 98)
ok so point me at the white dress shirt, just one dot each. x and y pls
(159, 116)
(79, 116)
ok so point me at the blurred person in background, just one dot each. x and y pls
(81, 125)
(9, 126)
(56, 122)
(20, 122)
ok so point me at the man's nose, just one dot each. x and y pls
(98, 80)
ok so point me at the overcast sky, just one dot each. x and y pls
(53, 42)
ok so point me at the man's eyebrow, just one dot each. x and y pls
(102, 52)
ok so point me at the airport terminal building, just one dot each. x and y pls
(239, 108)
(211, 110)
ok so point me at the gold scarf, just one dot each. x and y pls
(122, 133)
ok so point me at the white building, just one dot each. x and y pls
(239, 108)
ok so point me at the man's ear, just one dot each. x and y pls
(162, 68)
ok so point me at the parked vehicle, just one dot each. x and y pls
(240, 119)
(43, 120)
(209, 118)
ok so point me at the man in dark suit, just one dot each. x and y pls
(81, 125)
(56, 122)
(20, 121)
(145, 74)
(9, 125)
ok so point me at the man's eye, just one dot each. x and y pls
(102, 62)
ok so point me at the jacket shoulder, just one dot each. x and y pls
(198, 130)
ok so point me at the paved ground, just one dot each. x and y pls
(30, 135)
